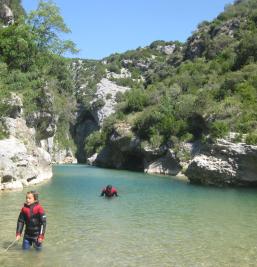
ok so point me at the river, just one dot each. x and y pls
(156, 221)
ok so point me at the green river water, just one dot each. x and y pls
(156, 221)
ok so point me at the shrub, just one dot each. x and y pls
(108, 96)
(136, 100)
(93, 143)
(125, 82)
(119, 97)
(251, 139)
(145, 123)
(114, 68)
(3, 131)
(218, 129)
(98, 104)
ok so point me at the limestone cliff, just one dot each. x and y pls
(225, 163)
(24, 159)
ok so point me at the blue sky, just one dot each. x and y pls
(103, 27)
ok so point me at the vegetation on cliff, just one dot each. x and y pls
(32, 66)
(202, 89)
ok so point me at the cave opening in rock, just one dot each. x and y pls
(133, 162)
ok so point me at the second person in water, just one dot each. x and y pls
(109, 191)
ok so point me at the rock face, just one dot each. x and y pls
(21, 162)
(225, 163)
(168, 164)
(106, 92)
(122, 152)
(58, 155)
(167, 49)
(6, 14)
(125, 151)
(84, 126)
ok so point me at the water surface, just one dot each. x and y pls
(156, 221)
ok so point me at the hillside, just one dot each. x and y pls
(152, 109)
(180, 93)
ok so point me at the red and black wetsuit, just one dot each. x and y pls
(109, 193)
(34, 218)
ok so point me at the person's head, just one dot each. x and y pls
(31, 197)
(109, 187)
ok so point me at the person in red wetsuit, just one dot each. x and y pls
(109, 191)
(33, 216)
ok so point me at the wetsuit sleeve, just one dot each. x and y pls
(20, 223)
(42, 217)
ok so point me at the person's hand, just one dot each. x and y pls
(18, 237)
(40, 240)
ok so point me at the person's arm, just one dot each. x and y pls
(115, 193)
(42, 217)
(20, 225)
(102, 194)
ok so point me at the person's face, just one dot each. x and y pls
(30, 199)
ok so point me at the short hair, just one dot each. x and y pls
(34, 193)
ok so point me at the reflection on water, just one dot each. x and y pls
(156, 221)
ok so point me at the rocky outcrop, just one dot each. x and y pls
(125, 151)
(124, 73)
(222, 34)
(106, 92)
(84, 126)
(6, 14)
(166, 49)
(15, 106)
(22, 163)
(221, 164)
(225, 163)
(122, 152)
(44, 122)
(168, 164)
(58, 155)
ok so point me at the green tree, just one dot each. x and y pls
(47, 24)
(17, 46)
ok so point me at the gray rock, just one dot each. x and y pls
(44, 122)
(15, 106)
(225, 163)
(106, 91)
(21, 161)
(167, 49)
(6, 14)
(167, 164)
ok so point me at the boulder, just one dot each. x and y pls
(167, 164)
(225, 163)
(21, 166)
(21, 162)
